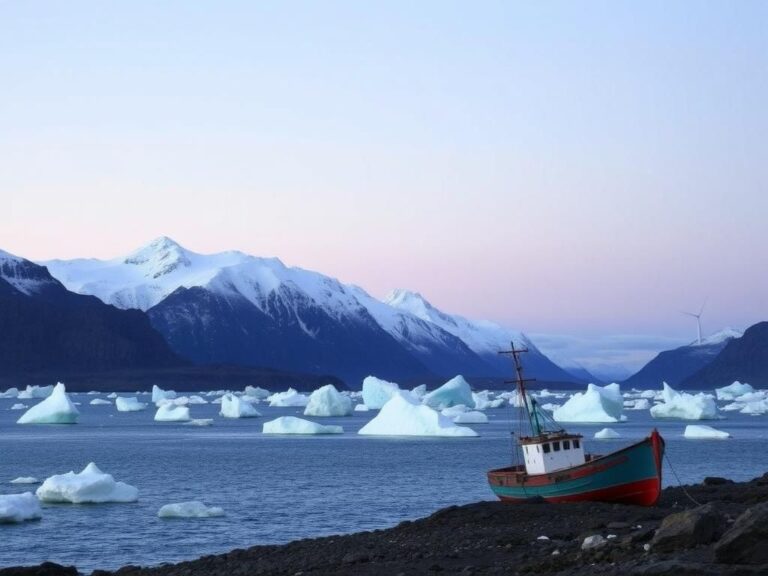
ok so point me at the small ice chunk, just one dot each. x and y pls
(100, 402)
(89, 486)
(112, 396)
(701, 431)
(192, 509)
(25, 480)
(592, 542)
(361, 408)
(684, 406)
(293, 425)
(403, 415)
(130, 404)
(471, 417)
(455, 391)
(200, 422)
(16, 508)
(607, 434)
(55, 409)
(596, 404)
(235, 407)
(377, 392)
(19, 406)
(288, 398)
(327, 401)
(172, 413)
(640, 404)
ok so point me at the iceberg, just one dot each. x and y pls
(172, 413)
(607, 434)
(258, 393)
(112, 395)
(131, 404)
(361, 408)
(16, 508)
(700, 431)
(454, 411)
(419, 391)
(733, 391)
(639, 404)
(200, 422)
(596, 404)
(288, 398)
(25, 480)
(471, 417)
(91, 486)
(684, 406)
(158, 394)
(235, 407)
(19, 406)
(327, 401)
(293, 425)
(484, 400)
(455, 391)
(32, 392)
(10, 393)
(754, 408)
(192, 509)
(403, 415)
(377, 392)
(100, 402)
(55, 409)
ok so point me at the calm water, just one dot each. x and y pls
(276, 489)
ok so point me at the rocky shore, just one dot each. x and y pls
(725, 531)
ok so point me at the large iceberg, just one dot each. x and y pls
(377, 392)
(19, 508)
(56, 409)
(327, 401)
(172, 413)
(293, 425)
(455, 391)
(130, 404)
(596, 404)
(235, 407)
(684, 406)
(89, 486)
(733, 391)
(403, 415)
(288, 398)
(700, 431)
(159, 395)
(192, 509)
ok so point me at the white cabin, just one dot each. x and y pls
(549, 454)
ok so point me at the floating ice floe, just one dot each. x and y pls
(471, 417)
(684, 406)
(172, 413)
(596, 404)
(55, 409)
(257, 392)
(455, 391)
(361, 408)
(25, 480)
(733, 391)
(377, 392)
(100, 402)
(16, 508)
(192, 509)
(235, 407)
(607, 434)
(288, 398)
(158, 394)
(754, 408)
(700, 431)
(91, 486)
(112, 395)
(293, 425)
(327, 401)
(19, 406)
(10, 393)
(200, 422)
(403, 415)
(130, 404)
(32, 392)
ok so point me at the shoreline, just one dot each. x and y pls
(491, 537)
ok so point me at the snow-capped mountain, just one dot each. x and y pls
(235, 308)
(743, 358)
(676, 366)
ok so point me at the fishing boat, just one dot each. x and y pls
(554, 467)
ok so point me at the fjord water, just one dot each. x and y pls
(279, 488)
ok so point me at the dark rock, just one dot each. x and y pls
(746, 542)
(44, 569)
(688, 529)
(716, 481)
(618, 525)
(354, 558)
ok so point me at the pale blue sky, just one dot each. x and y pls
(567, 167)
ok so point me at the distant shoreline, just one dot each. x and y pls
(492, 537)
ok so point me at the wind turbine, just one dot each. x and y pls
(698, 320)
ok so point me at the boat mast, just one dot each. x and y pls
(530, 410)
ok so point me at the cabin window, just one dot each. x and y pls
(538, 448)
(546, 448)
(575, 443)
(566, 445)
(556, 446)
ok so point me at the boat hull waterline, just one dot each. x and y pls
(629, 476)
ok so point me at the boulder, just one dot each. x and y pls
(746, 542)
(689, 529)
